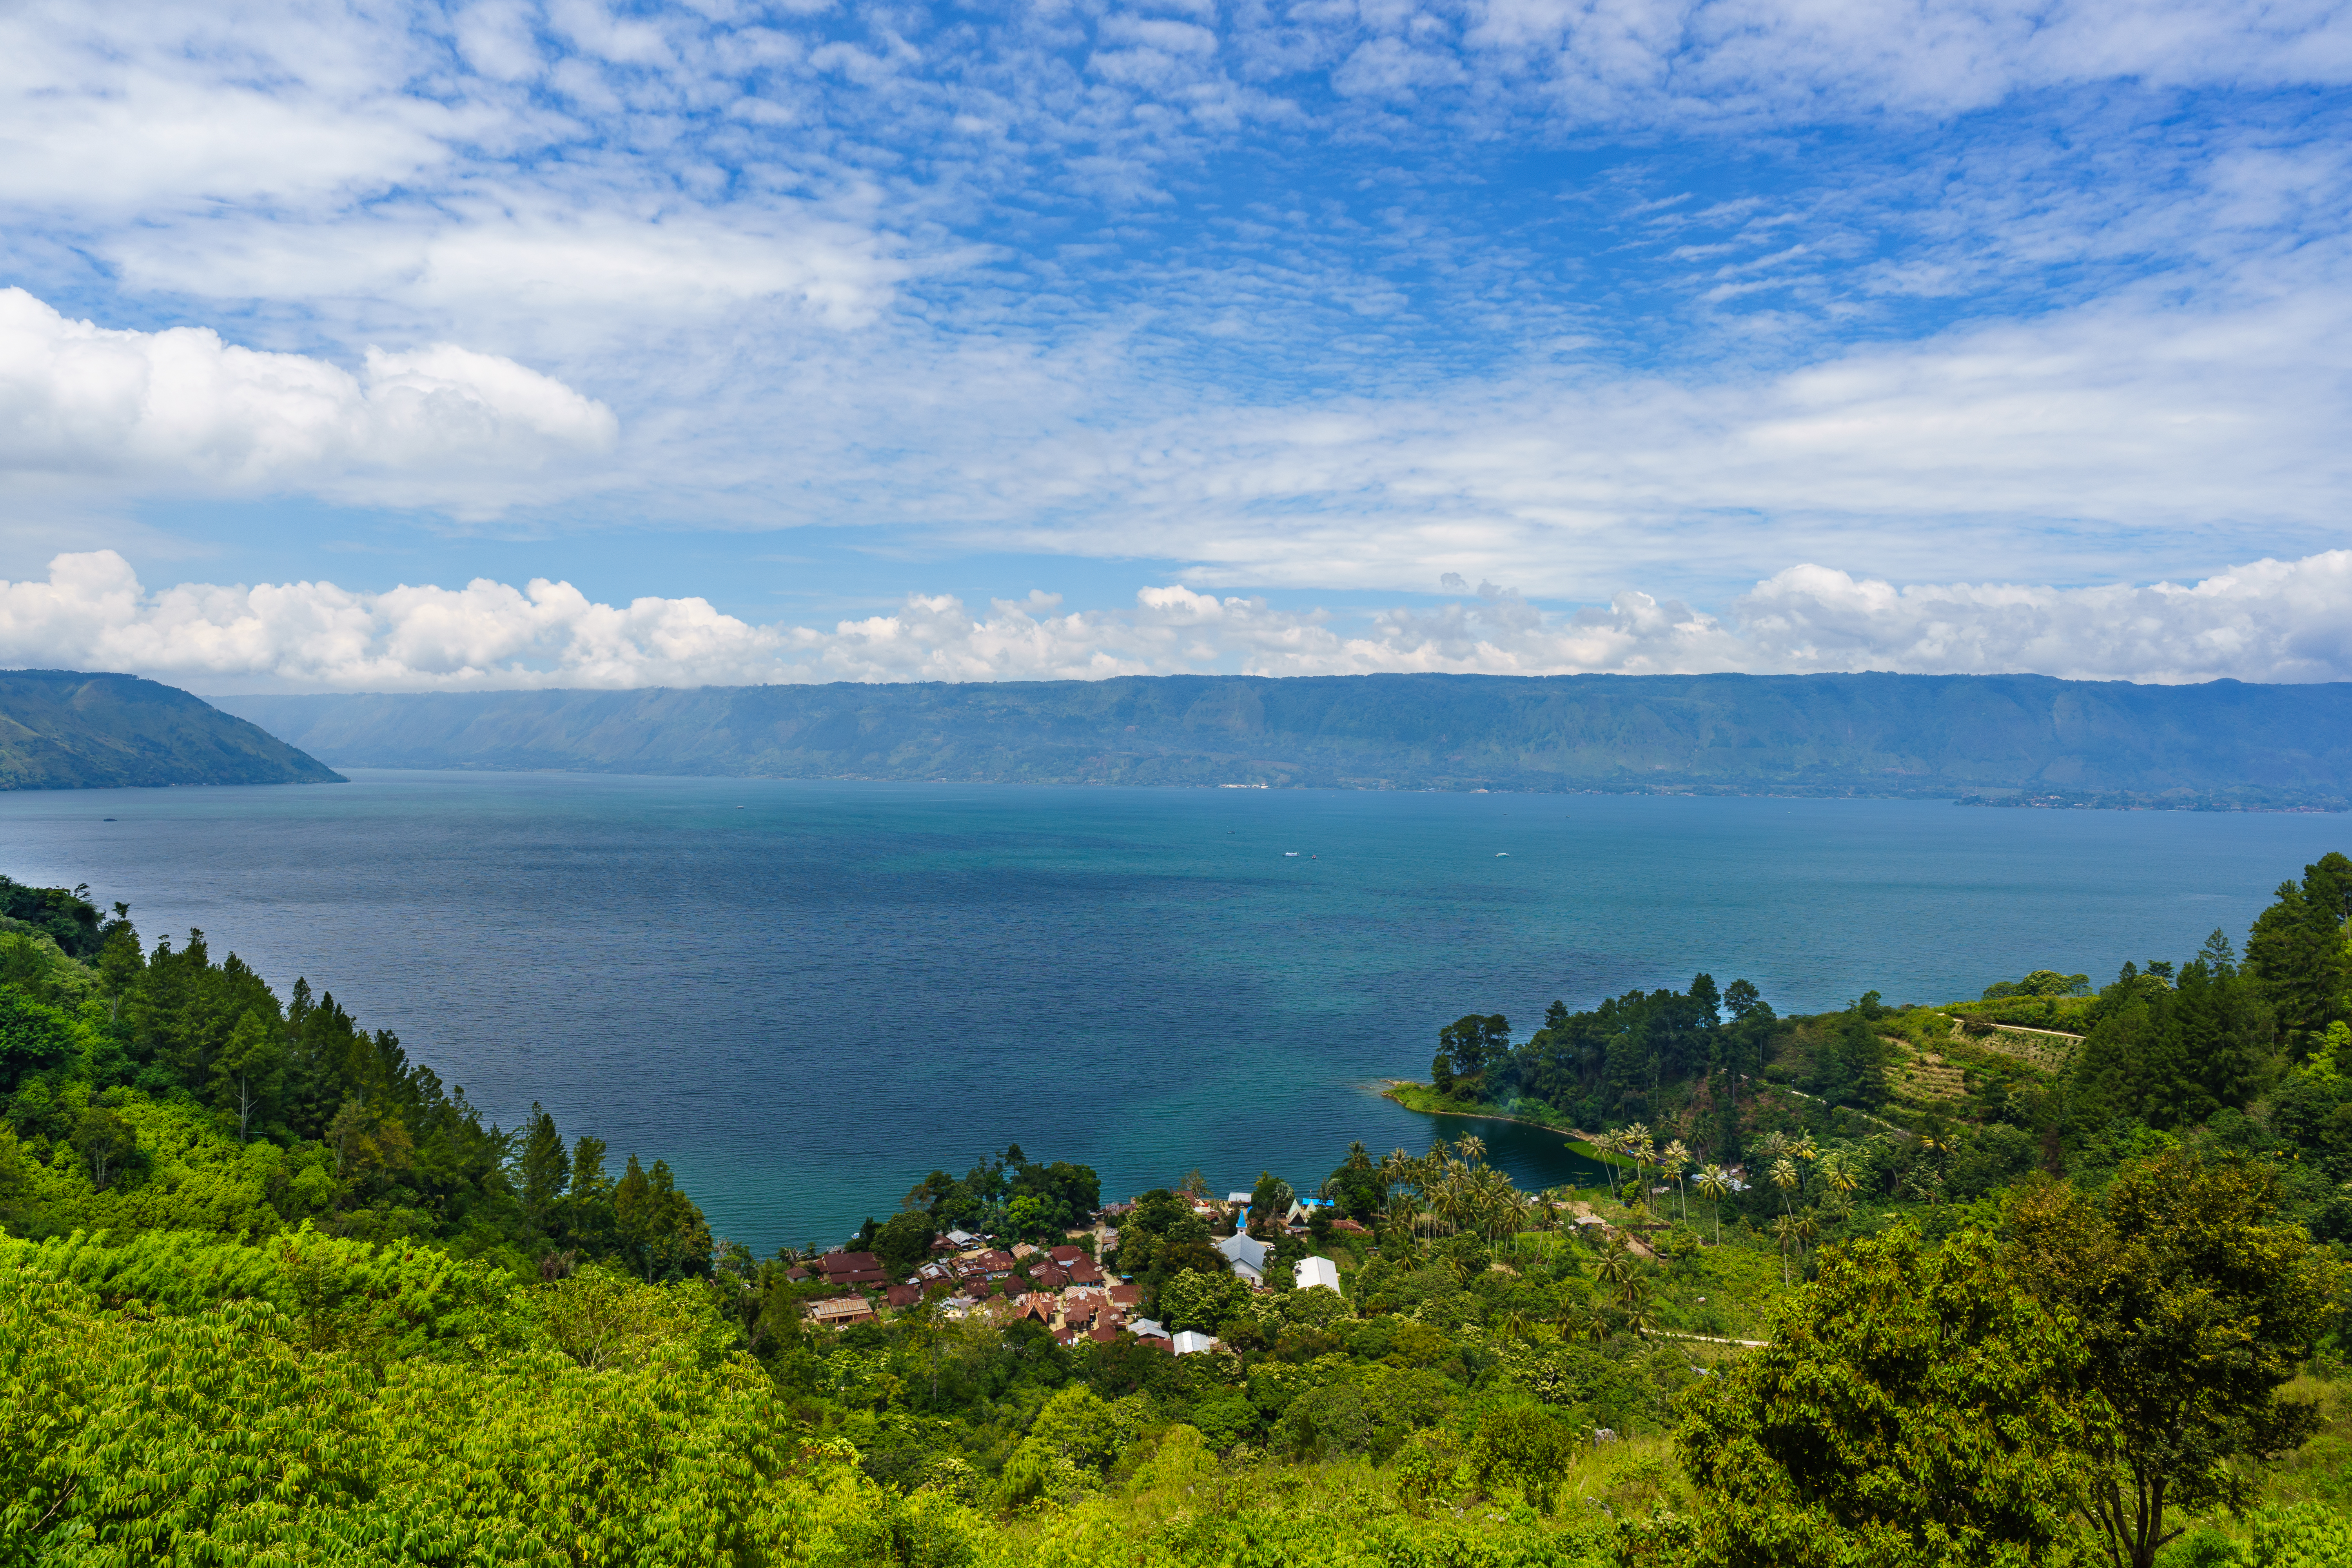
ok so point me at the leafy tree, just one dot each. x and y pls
(34, 1038)
(2297, 952)
(2196, 1304)
(1473, 1044)
(2040, 983)
(247, 1071)
(1909, 1411)
(1358, 1188)
(542, 1166)
(1197, 1301)
(904, 1240)
(663, 1235)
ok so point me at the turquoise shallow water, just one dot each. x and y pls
(806, 994)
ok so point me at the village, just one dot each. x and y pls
(1063, 1289)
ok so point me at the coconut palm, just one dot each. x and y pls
(1637, 1146)
(1784, 1230)
(1605, 1144)
(1809, 1230)
(1674, 1160)
(1784, 1176)
(1641, 1315)
(1713, 1182)
(1616, 1265)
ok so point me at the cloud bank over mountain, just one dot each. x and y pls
(2271, 621)
(767, 309)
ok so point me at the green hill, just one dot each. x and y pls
(62, 729)
(2000, 736)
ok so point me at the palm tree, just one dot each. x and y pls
(1674, 1159)
(1634, 1301)
(1785, 1230)
(1714, 1181)
(1784, 1176)
(1637, 1144)
(1809, 1230)
(1605, 1146)
(1616, 1265)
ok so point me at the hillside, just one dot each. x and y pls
(62, 729)
(2225, 743)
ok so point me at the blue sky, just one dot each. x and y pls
(827, 340)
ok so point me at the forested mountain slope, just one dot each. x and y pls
(2225, 741)
(61, 728)
(271, 1293)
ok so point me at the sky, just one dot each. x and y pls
(386, 346)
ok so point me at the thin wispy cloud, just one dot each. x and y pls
(1611, 304)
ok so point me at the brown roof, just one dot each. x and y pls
(905, 1295)
(1104, 1334)
(1048, 1277)
(1065, 1256)
(1126, 1295)
(1083, 1272)
(854, 1267)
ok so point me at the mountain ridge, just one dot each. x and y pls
(68, 729)
(1994, 736)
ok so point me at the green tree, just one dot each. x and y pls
(542, 1166)
(1197, 1301)
(250, 1067)
(2196, 1304)
(904, 1240)
(1910, 1410)
(662, 1234)
(34, 1038)
(2297, 952)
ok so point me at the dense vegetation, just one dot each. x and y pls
(60, 728)
(271, 1293)
(2218, 744)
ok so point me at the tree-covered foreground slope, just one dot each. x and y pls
(62, 729)
(272, 1293)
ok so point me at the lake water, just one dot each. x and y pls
(806, 996)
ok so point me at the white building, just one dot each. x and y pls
(1308, 1273)
(1247, 1255)
(1186, 1341)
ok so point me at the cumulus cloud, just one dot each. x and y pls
(2271, 621)
(185, 407)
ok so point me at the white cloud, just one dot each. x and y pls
(182, 407)
(2272, 620)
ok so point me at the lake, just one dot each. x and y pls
(806, 996)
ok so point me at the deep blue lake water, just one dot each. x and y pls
(806, 996)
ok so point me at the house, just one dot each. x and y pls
(1024, 1249)
(1085, 1272)
(1303, 1209)
(838, 1311)
(1309, 1273)
(1350, 1228)
(996, 1264)
(1187, 1342)
(1064, 1257)
(1237, 1200)
(1045, 1277)
(855, 1268)
(1039, 1307)
(1147, 1328)
(1247, 1255)
(903, 1295)
(1125, 1295)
